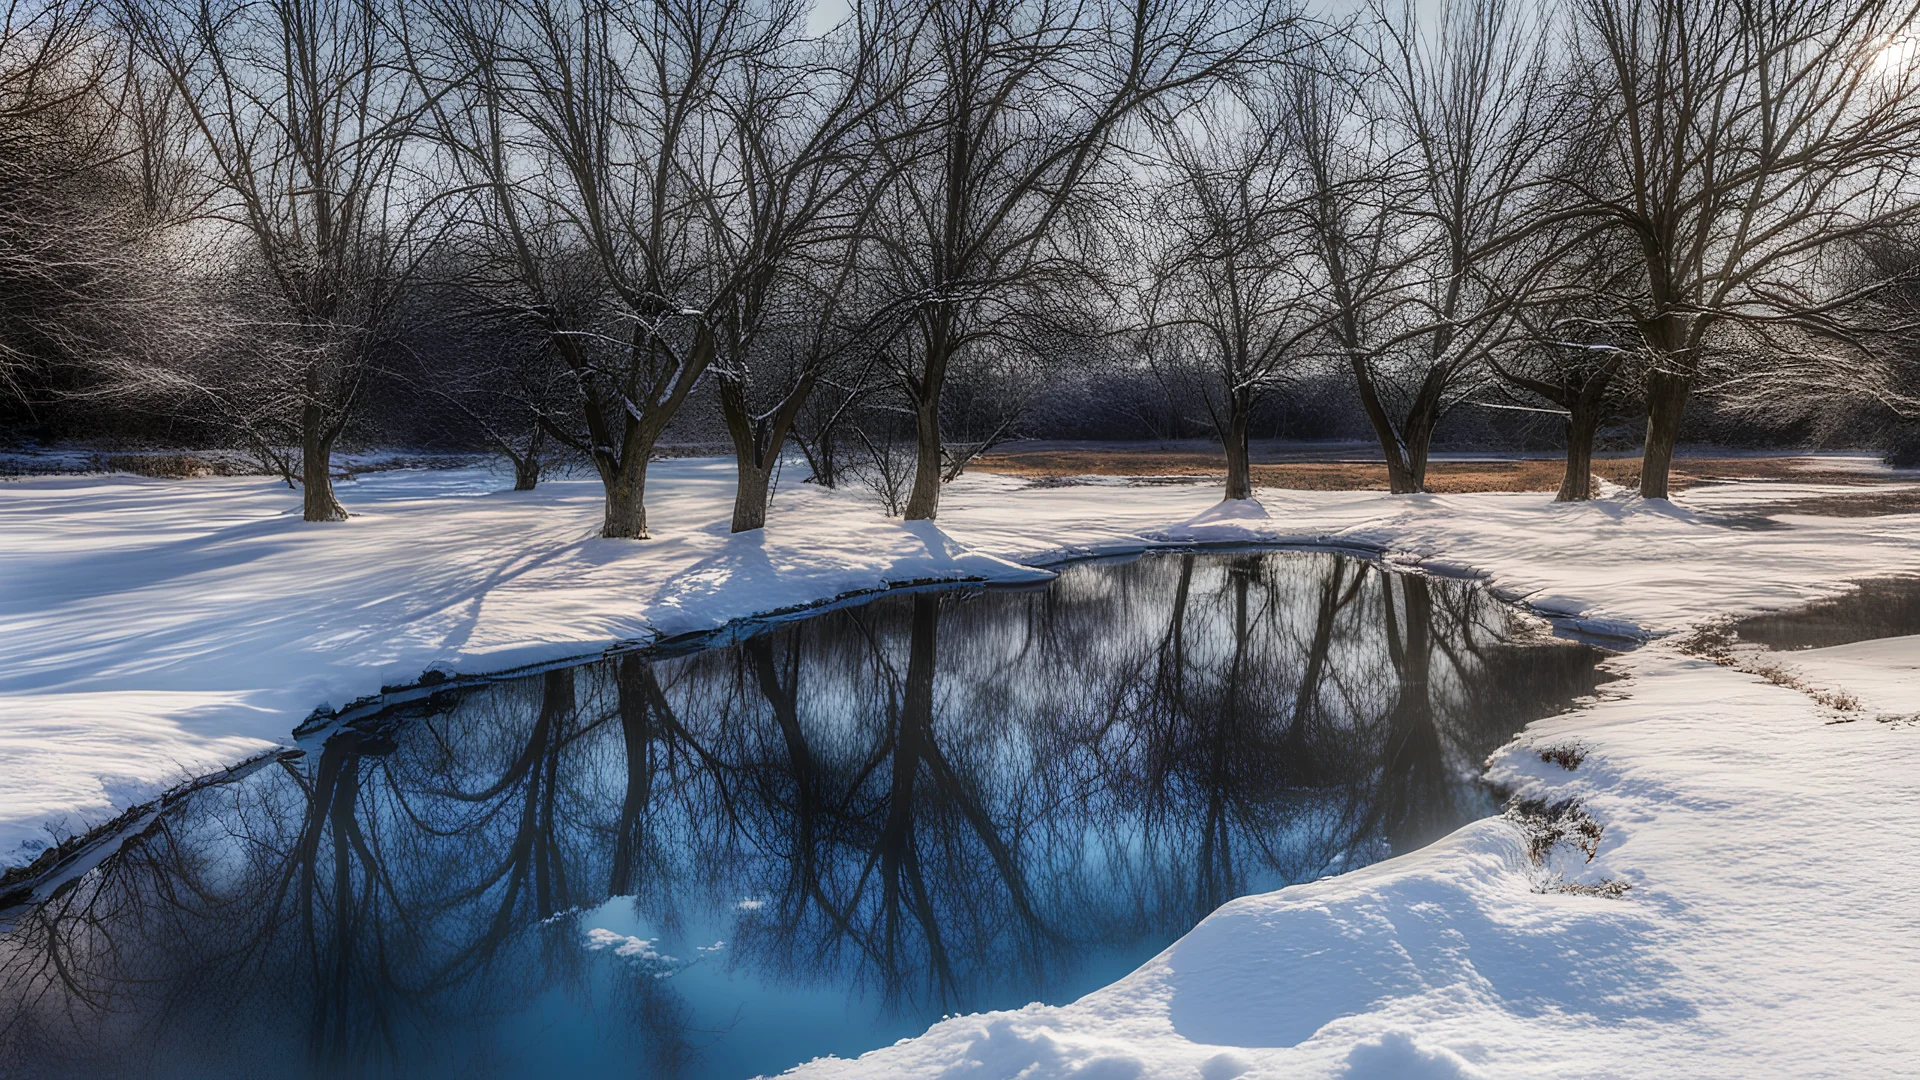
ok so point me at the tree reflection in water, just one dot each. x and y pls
(935, 802)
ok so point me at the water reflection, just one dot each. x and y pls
(815, 840)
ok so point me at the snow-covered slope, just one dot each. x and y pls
(1882, 675)
(151, 629)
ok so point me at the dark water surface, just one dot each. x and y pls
(1879, 608)
(816, 840)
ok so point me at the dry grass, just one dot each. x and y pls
(1606, 889)
(1567, 756)
(1442, 476)
(1549, 825)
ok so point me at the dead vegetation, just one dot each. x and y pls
(1566, 755)
(165, 466)
(1448, 477)
(1711, 640)
(1605, 888)
(1717, 641)
(1549, 825)
(1867, 502)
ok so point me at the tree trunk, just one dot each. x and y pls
(316, 466)
(1666, 403)
(1582, 391)
(626, 510)
(526, 459)
(1582, 421)
(757, 443)
(1420, 424)
(924, 501)
(752, 464)
(822, 468)
(1400, 480)
(526, 473)
(1423, 416)
(750, 495)
(824, 463)
(1239, 470)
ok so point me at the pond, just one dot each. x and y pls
(817, 839)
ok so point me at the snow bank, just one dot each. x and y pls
(152, 629)
(1882, 675)
(1229, 521)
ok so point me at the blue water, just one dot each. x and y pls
(813, 841)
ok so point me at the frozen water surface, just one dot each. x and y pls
(816, 840)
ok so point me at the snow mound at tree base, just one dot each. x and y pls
(1229, 521)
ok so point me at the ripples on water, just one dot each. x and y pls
(816, 840)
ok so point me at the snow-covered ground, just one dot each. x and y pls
(1883, 676)
(151, 630)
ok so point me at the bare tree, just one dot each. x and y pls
(1740, 140)
(1473, 110)
(992, 387)
(472, 375)
(1013, 105)
(1869, 376)
(1421, 156)
(302, 113)
(1572, 363)
(769, 377)
(636, 181)
(89, 287)
(1350, 213)
(822, 425)
(787, 198)
(1229, 291)
(1574, 347)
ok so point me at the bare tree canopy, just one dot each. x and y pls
(592, 232)
(302, 112)
(1740, 142)
(1230, 292)
(88, 282)
(1012, 106)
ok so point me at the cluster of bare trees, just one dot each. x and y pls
(88, 187)
(563, 223)
(1568, 200)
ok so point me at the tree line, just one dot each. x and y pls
(872, 235)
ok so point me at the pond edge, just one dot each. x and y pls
(30, 884)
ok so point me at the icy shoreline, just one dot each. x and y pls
(161, 629)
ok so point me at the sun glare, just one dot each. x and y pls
(1898, 58)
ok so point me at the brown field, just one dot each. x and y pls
(1444, 476)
